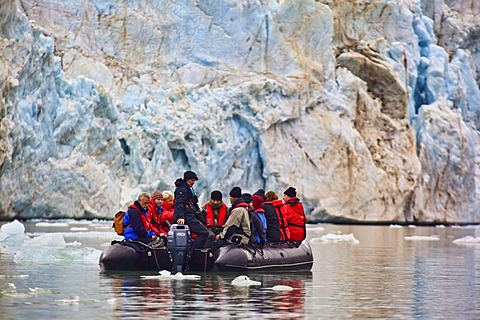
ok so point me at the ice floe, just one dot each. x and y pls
(51, 225)
(167, 275)
(78, 229)
(49, 247)
(422, 238)
(13, 276)
(282, 288)
(244, 281)
(467, 240)
(337, 238)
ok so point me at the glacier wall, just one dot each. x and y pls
(369, 108)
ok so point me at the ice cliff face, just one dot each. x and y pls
(369, 108)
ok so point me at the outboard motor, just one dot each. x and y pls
(179, 242)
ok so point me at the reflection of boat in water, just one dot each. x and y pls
(134, 255)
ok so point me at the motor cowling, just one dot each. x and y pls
(179, 242)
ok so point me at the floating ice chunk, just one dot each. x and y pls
(467, 240)
(38, 291)
(440, 226)
(336, 238)
(167, 275)
(314, 228)
(51, 224)
(181, 276)
(12, 292)
(20, 276)
(422, 238)
(78, 229)
(282, 288)
(156, 277)
(13, 228)
(73, 244)
(39, 254)
(244, 281)
(47, 240)
(70, 300)
(12, 235)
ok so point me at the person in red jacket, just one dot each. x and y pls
(295, 215)
(216, 212)
(155, 212)
(168, 204)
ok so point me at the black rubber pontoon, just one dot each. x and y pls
(132, 255)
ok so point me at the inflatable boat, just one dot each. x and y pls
(136, 256)
(128, 255)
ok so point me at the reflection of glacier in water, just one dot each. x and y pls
(48, 247)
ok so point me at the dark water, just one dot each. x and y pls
(386, 275)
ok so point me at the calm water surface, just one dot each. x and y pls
(386, 275)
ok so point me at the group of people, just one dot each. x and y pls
(258, 218)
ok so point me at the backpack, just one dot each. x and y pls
(118, 222)
(257, 228)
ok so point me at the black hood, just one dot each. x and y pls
(179, 182)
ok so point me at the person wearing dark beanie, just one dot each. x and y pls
(216, 195)
(215, 212)
(236, 192)
(187, 175)
(261, 193)
(295, 215)
(187, 211)
(237, 227)
(247, 197)
(291, 192)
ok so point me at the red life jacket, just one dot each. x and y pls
(145, 223)
(166, 219)
(153, 217)
(281, 212)
(296, 219)
(168, 206)
(210, 216)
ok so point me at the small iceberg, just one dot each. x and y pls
(422, 238)
(39, 291)
(336, 238)
(167, 275)
(13, 232)
(20, 276)
(282, 288)
(51, 225)
(467, 240)
(13, 228)
(70, 301)
(78, 229)
(244, 281)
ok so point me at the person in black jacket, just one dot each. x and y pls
(187, 211)
(273, 229)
